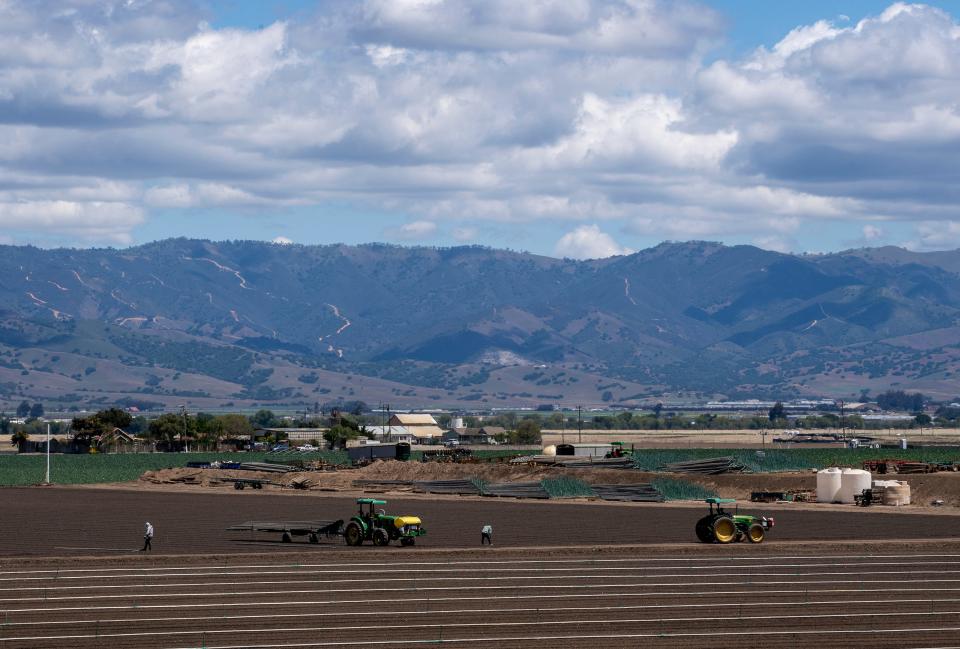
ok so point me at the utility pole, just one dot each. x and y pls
(183, 411)
(579, 424)
(389, 425)
(843, 421)
(563, 427)
(48, 454)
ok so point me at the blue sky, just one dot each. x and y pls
(579, 128)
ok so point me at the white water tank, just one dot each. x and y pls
(550, 450)
(456, 422)
(828, 485)
(852, 483)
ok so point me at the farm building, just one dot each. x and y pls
(584, 450)
(390, 434)
(465, 436)
(292, 434)
(422, 427)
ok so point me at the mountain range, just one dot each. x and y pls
(244, 324)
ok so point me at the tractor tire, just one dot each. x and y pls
(238, 485)
(407, 541)
(353, 535)
(704, 529)
(313, 538)
(286, 538)
(380, 537)
(258, 485)
(756, 533)
(724, 529)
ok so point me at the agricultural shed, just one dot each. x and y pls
(423, 427)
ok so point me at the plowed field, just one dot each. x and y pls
(569, 599)
(63, 521)
(560, 575)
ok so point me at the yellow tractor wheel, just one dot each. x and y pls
(755, 533)
(724, 529)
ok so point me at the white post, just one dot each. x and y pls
(48, 453)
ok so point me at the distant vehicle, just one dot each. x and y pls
(451, 443)
(306, 448)
(281, 447)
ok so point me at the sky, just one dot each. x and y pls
(577, 128)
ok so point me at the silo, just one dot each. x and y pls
(828, 485)
(852, 483)
(456, 422)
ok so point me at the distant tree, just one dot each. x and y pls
(657, 409)
(169, 427)
(114, 418)
(263, 419)
(23, 410)
(36, 410)
(338, 435)
(528, 432)
(777, 412)
(900, 400)
(4, 424)
(19, 437)
(607, 396)
(922, 419)
(234, 426)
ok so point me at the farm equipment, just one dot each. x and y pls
(720, 526)
(617, 449)
(791, 496)
(242, 483)
(313, 530)
(379, 527)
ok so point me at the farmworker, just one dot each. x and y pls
(147, 538)
(486, 534)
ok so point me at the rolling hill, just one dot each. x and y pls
(232, 324)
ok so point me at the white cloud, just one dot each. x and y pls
(872, 233)
(282, 241)
(936, 235)
(476, 111)
(89, 221)
(588, 242)
(415, 230)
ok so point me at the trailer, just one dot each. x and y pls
(313, 530)
(254, 483)
(370, 452)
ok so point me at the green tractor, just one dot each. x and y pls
(379, 528)
(720, 526)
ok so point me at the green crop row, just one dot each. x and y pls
(673, 489)
(566, 487)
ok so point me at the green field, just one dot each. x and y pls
(89, 469)
(795, 459)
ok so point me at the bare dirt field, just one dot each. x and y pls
(560, 575)
(79, 521)
(786, 595)
(925, 488)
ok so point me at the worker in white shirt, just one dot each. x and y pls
(147, 538)
(486, 534)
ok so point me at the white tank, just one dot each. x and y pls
(852, 483)
(897, 495)
(550, 450)
(828, 485)
(456, 422)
